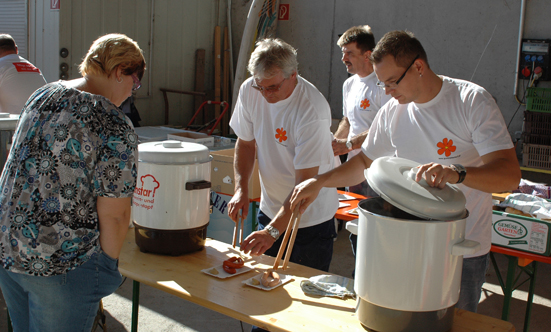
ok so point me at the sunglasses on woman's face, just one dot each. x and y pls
(137, 82)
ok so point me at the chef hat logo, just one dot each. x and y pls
(149, 185)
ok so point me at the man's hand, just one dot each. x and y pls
(339, 146)
(305, 193)
(257, 243)
(239, 202)
(437, 175)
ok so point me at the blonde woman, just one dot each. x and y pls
(66, 190)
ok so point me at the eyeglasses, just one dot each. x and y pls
(393, 85)
(271, 89)
(137, 82)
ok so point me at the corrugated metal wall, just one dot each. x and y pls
(13, 21)
(168, 31)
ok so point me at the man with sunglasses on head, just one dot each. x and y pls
(452, 128)
(285, 121)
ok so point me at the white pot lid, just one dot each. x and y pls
(173, 152)
(394, 179)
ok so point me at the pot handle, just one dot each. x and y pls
(196, 185)
(412, 173)
(465, 247)
(352, 226)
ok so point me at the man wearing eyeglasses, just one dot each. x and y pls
(452, 127)
(286, 121)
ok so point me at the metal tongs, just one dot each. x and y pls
(291, 232)
(236, 228)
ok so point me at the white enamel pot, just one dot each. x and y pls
(171, 202)
(408, 263)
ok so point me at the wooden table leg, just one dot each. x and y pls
(135, 305)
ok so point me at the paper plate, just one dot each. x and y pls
(223, 274)
(284, 278)
(344, 197)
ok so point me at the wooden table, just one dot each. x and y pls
(285, 308)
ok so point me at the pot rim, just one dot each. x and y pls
(418, 220)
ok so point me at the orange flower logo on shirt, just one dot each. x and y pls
(446, 147)
(364, 104)
(281, 135)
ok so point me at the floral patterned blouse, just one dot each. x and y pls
(69, 148)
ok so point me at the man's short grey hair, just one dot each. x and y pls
(271, 55)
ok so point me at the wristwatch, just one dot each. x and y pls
(349, 145)
(272, 231)
(462, 171)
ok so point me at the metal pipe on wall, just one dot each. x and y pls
(520, 34)
(149, 65)
(230, 42)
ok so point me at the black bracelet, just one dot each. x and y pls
(461, 170)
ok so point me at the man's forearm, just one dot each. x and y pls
(244, 159)
(500, 174)
(358, 140)
(343, 129)
(348, 174)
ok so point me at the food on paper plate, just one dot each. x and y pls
(213, 271)
(232, 264)
(255, 282)
(270, 278)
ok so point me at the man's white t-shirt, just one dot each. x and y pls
(459, 125)
(291, 134)
(18, 80)
(362, 98)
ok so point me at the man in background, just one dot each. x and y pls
(361, 99)
(18, 77)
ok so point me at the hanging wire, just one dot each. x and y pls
(522, 102)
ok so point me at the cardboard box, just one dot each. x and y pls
(193, 137)
(222, 177)
(220, 224)
(521, 233)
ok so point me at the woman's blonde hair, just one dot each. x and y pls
(111, 51)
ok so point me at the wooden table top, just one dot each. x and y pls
(285, 308)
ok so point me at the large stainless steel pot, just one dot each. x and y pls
(171, 203)
(408, 264)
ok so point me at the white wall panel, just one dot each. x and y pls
(13, 21)
(168, 31)
(44, 38)
(469, 39)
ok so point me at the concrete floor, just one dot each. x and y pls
(162, 312)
